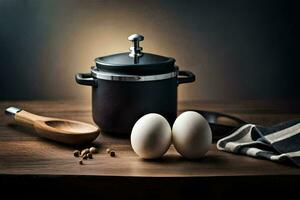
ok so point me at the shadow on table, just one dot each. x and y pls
(27, 132)
(168, 159)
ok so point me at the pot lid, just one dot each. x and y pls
(135, 62)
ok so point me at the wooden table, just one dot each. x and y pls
(33, 165)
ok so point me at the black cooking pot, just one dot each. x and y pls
(126, 86)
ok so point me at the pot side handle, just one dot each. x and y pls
(86, 79)
(185, 77)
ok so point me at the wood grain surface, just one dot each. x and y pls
(22, 152)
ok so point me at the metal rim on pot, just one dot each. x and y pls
(123, 77)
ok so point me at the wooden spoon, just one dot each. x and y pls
(60, 130)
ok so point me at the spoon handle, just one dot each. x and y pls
(24, 117)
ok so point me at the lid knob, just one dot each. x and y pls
(136, 50)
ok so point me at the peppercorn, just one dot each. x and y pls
(112, 153)
(85, 156)
(76, 153)
(80, 162)
(85, 151)
(90, 155)
(93, 150)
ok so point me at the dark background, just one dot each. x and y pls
(238, 49)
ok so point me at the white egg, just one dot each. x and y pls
(191, 135)
(151, 136)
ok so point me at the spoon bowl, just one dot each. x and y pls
(72, 127)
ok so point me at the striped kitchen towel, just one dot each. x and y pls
(279, 143)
